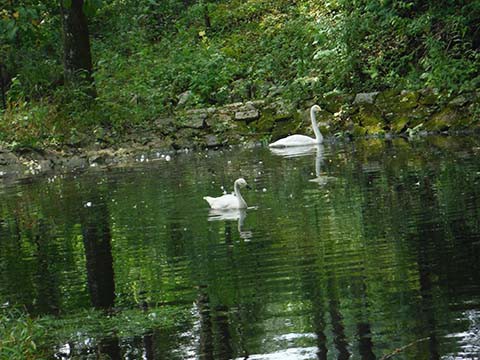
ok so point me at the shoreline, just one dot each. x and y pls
(387, 114)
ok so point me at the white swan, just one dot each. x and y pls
(229, 201)
(302, 140)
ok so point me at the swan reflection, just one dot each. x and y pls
(319, 178)
(231, 215)
(291, 152)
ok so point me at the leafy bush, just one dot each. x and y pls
(18, 336)
(407, 44)
(23, 337)
(147, 53)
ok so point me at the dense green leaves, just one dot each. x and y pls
(18, 335)
(406, 44)
(90, 7)
(30, 48)
(149, 52)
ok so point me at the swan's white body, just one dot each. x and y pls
(229, 201)
(302, 140)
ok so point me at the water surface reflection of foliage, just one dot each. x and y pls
(382, 255)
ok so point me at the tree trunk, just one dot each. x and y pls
(97, 242)
(3, 86)
(77, 59)
(206, 16)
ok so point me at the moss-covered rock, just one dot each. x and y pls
(7, 158)
(333, 101)
(442, 120)
(365, 98)
(219, 121)
(212, 140)
(393, 101)
(419, 115)
(387, 100)
(369, 117)
(408, 100)
(187, 137)
(462, 121)
(399, 124)
(233, 139)
(247, 116)
(402, 110)
(165, 125)
(358, 130)
(195, 119)
(239, 127)
(267, 121)
(428, 96)
(392, 110)
(451, 117)
(458, 101)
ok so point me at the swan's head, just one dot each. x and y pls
(315, 108)
(242, 183)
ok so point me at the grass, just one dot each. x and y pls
(24, 337)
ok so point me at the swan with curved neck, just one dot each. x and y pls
(229, 201)
(302, 140)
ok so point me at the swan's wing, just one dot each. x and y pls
(222, 202)
(293, 140)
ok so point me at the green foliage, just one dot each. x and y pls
(90, 7)
(23, 337)
(29, 51)
(95, 324)
(18, 336)
(411, 44)
(50, 121)
(147, 53)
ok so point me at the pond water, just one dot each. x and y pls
(356, 250)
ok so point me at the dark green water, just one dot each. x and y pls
(380, 252)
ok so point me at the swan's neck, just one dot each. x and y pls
(316, 130)
(241, 201)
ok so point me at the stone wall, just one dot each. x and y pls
(399, 112)
(376, 113)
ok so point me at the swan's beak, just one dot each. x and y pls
(248, 187)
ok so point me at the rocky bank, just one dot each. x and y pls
(388, 113)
